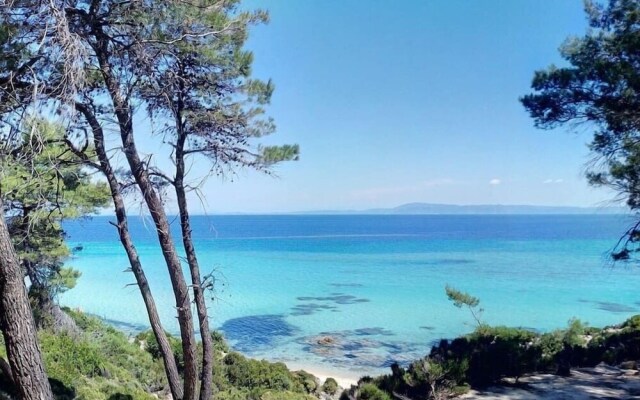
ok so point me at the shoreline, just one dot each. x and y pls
(344, 378)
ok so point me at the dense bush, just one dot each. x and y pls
(369, 391)
(330, 386)
(305, 381)
(69, 360)
(238, 377)
(491, 353)
(149, 342)
(102, 363)
(495, 352)
(248, 373)
(632, 323)
(99, 363)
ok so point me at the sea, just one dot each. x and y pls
(356, 293)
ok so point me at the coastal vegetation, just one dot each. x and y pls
(74, 76)
(181, 64)
(101, 362)
(491, 354)
(43, 184)
(599, 89)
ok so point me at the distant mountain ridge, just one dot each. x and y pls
(482, 209)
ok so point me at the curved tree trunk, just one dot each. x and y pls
(136, 267)
(124, 117)
(18, 327)
(180, 289)
(196, 279)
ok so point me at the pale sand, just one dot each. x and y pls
(344, 378)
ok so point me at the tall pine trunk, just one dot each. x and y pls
(194, 268)
(18, 327)
(124, 117)
(168, 358)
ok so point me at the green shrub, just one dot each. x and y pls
(305, 381)
(330, 386)
(89, 323)
(550, 344)
(500, 351)
(219, 342)
(100, 363)
(369, 391)
(460, 390)
(574, 334)
(632, 323)
(70, 359)
(151, 345)
(271, 395)
(247, 373)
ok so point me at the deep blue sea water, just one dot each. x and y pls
(373, 283)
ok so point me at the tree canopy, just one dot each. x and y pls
(100, 64)
(42, 183)
(600, 88)
(181, 65)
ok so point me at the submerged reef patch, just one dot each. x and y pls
(372, 331)
(360, 347)
(319, 303)
(252, 333)
(610, 306)
(428, 328)
(338, 298)
(311, 308)
(615, 307)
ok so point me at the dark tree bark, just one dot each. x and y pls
(18, 327)
(180, 289)
(124, 117)
(105, 167)
(194, 268)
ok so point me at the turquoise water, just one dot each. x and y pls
(373, 284)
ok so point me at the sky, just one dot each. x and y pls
(395, 102)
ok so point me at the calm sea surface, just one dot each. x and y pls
(373, 284)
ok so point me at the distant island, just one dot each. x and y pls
(480, 209)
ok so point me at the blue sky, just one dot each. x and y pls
(411, 101)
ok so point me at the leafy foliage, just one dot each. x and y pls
(600, 88)
(489, 354)
(103, 363)
(236, 376)
(369, 391)
(202, 90)
(42, 183)
(330, 386)
(99, 363)
(461, 299)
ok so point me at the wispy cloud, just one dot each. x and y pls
(495, 181)
(549, 181)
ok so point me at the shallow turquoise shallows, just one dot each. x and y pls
(359, 292)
